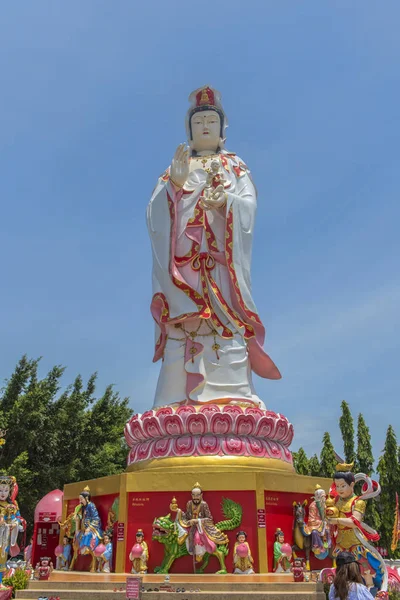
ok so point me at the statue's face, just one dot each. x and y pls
(83, 500)
(106, 539)
(344, 489)
(281, 538)
(241, 539)
(139, 539)
(320, 495)
(4, 491)
(206, 127)
(197, 497)
(65, 540)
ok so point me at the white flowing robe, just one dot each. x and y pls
(208, 331)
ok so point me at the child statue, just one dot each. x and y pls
(282, 553)
(64, 559)
(105, 560)
(242, 559)
(139, 554)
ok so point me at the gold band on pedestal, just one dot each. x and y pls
(220, 463)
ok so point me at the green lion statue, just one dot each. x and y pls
(193, 532)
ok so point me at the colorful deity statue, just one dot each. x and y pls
(201, 222)
(282, 553)
(242, 558)
(105, 559)
(196, 526)
(317, 525)
(11, 522)
(139, 555)
(85, 520)
(64, 557)
(351, 534)
(193, 531)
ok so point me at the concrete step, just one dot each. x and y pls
(302, 592)
(204, 586)
(77, 594)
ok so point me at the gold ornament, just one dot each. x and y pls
(174, 505)
(344, 468)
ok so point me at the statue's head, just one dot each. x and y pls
(206, 121)
(344, 481)
(197, 494)
(241, 537)
(4, 491)
(84, 497)
(106, 539)
(320, 494)
(7, 484)
(65, 540)
(139, 536)
(279, 536)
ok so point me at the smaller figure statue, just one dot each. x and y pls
(43, 569)
(298, 569)
(317, 526)
(197, 527)
(282, 553)
(88, 531)
(64, 558)
(139, 555)
(194, 532)
(105, 559)
(242, 559)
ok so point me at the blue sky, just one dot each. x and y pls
(92, 104)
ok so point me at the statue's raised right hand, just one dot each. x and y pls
(180, 166)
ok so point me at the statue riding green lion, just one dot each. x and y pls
(166, 531)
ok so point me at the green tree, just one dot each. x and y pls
(52, 438)
(365, 464)
(314, 466)
(364, 457)
(300, 462)
(328, 457)
(346, 425)
(389, 479)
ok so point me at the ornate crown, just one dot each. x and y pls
(7, 480)
(205, 97)
(197, 486)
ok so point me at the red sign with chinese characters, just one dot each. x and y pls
(133, 586)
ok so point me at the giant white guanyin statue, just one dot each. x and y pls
(201, 221)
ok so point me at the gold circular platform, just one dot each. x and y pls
(216, 463)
